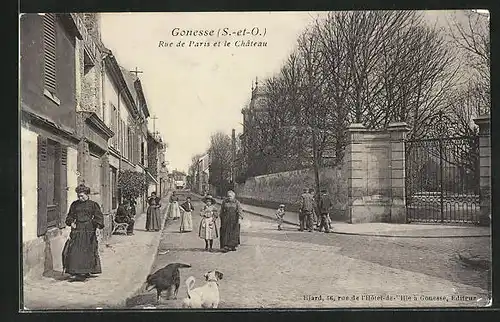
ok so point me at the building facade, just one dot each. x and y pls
(202, 174)
(94, 133)
(127, 116)
(155, 144)
(49, 139)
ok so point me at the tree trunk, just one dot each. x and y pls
(315, 165)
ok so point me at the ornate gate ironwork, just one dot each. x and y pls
(442, 180)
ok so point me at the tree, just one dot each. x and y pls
(220, 161)
(132, 184)
(470, 32)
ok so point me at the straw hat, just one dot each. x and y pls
(208, 197)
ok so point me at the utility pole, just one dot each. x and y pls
(233, 155)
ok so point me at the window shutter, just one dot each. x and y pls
(63, 197)
(42, 186)
(49, 48)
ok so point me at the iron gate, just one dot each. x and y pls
(442, 180)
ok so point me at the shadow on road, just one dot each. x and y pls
(56, 275)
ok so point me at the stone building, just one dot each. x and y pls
(49, 48)
(126, 113)
(93, 132)
(155, 146)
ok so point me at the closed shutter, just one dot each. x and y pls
(49, 48)
(42, 186)
(63, 183)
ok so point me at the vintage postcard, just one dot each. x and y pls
(255, 160)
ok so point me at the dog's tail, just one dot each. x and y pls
(181, 265)
(190, 283)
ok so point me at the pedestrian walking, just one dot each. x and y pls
(174, 211)
(306, 210)
(123, 215)
(230, 216)
(153, 213)
(280, 213)
(81, 253)
(208, 224)
(324, 210)
(186, 218)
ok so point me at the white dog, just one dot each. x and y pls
(206, 296)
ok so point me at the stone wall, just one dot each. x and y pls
(286, 187)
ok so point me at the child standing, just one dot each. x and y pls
(208, 225)
(280, 213)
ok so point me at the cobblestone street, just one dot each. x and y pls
(288, 268)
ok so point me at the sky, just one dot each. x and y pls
(196, 91)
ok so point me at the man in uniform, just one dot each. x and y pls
(325, 204)
(306, 210)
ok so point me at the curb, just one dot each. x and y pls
(152, 257)
(363, 234)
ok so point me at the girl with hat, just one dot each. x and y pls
(208, 225)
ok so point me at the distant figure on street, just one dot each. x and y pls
(174, 211)
(306, 210)
(230, 216)
(133, 203)
(123, 215)
(280, 213)
(324, 210)
(186, 218)
(208, 225)
(153, 213)
(81, 252)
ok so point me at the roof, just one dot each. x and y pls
(130, 80)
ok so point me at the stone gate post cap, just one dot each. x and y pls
(398, 126)
(355, 127)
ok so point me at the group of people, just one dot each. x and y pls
(311, 216)
(81, 255)
(230, 214)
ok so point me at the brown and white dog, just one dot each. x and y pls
(206, 296)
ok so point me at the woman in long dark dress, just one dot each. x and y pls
(230, 215)
(84, 217)
(153, 213)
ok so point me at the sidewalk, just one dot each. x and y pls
(125, 260)
(382, 229)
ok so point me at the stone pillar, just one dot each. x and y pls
(355, 158)
(83, 161)
(484, 169)
(398, 133)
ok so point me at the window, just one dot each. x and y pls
(52, 185)
(49, 52)
(114, 116)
